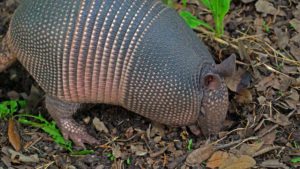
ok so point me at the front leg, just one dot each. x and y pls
(62, 113)
(6, 57)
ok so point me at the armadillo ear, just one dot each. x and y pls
(227, 67)
(212, 81)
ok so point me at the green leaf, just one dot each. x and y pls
(219, 10)
(184, 3)
(193, 21)
(295, 145)
(128, 161)
(11, 107)
(169, 3)
(295, 160)
(190, 144)
(206, 3)
(52, 130)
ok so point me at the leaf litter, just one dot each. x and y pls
(262, 128)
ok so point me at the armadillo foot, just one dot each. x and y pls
(77, 133)
(6, 58)
(62, 113)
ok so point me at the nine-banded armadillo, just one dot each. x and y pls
(138, 54)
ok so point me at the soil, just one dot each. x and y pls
(262, 129)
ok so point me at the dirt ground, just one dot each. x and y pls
(262, 129)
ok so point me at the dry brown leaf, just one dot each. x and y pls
(281, 119)
(269, 138)
(244, 96)
(268, 8)
(241, 162)
(250, 149)
(13, 135)
(217, 159)
(273, 164)
(99, 125)
(239, 80)
(266, 82)
(283, 38)
(296, 23)
(199, 155)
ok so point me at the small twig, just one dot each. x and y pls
(266, 149)
(201, 29)
(161, 151)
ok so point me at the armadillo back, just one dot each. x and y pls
(134, 53)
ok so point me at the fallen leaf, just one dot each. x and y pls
(199, 155)
(239, 80)
(268, 8)
(100, 126)
(269, 138)
(138, 150)
(244, 96)
(241, 162)
(283, 38)
(296, 13)
(116, 151)
(296, 24)
(281, 119)
(16, 156)
(13, 135)
(250, 149)
(261, 100)
(266, 82)
(294, 95)
(273, 164)
(296, 51)
(129, 132)
(292, 103)
(217, 159)
(157, 129)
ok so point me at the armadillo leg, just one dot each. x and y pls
(6, 58)
(62, 113)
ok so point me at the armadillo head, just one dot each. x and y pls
(215, 96)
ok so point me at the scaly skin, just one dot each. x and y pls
(137, 54)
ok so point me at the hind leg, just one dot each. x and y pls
(62, 113)
(6, 57)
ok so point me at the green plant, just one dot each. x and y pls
(50, 128)
(184, 3)
(190, 144)
(295, 160)
(128, 161)
(169, 3)
(11, 107)
(279, 66)
(266, 27)
(218, 8)
(295, 145)
(280, 93)
(111, 156)
(193, 21)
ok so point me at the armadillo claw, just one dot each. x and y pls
(78, 134)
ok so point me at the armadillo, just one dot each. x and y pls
(138, 54)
